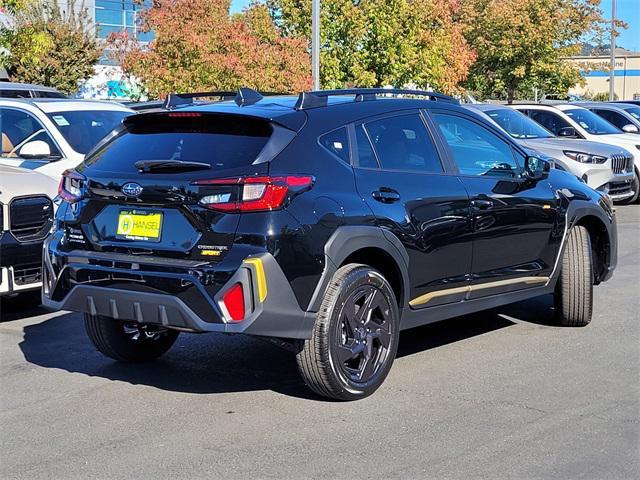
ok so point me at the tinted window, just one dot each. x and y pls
(634, 112)
(591, 122)
(366, 158)
(214, 139)
(517, 124)
(615, 118)
(403, 143)
(549, 120)
(18, 128)
(49, 94)
(475, 149)
(84, 129)
(337, 142)
(15, 93)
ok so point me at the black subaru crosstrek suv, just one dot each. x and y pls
(327, 222)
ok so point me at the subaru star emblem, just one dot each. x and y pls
(131, 189)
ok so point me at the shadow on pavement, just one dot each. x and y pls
(216, 363)
(22, 306)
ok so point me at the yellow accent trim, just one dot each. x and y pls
(427, 297)
(261, 278)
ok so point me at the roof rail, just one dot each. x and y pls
(243, 97)
(319, 98)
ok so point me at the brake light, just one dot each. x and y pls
(254, 194)
(233, 300)
(71, 186)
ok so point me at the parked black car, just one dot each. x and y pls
(328, 221)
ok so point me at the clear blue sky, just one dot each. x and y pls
(627, 10)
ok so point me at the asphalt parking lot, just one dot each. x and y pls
(500, 394)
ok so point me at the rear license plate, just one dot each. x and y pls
(139, 225)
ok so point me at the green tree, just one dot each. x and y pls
(49, 45)
(522, 44)
(372, 43)
(198, 45)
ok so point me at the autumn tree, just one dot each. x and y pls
(522, 44)
(50, 45)
(198, 45)
(373, 43)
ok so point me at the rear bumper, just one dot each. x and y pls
(177, 294)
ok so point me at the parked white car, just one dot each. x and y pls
(26, 216)
(572, 121)
(604, 167)
(53, 135)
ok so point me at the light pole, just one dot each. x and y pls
(315, 43)
(612, 74)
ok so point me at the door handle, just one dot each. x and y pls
(385, 195)
(482, 203)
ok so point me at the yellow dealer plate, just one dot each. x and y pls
(139, 225)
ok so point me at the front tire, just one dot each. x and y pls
(636, 188)
(128, 341)
(573, 297)
(355, 337)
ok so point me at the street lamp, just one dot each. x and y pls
(612, 74)
(315, 43)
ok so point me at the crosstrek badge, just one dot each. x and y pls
(139, 225)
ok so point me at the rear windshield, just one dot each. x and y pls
(222, 141)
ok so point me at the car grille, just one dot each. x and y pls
(621, 164)
(30, 218)
(619, 188)
(27, 274)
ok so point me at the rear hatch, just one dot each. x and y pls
(168, 184)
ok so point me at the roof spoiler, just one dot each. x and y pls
(320, 98)
(243, 97)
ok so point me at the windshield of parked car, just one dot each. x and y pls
(517, 124)
(84, 128)
(591, 122)
(634, 112)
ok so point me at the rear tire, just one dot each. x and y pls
(128, 341)
(355, 337)
(573, 297)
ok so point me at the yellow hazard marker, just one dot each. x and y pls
(261, 277)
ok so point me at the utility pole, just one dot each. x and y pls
(315, 43)
(612, 74)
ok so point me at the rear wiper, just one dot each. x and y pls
(148, 166)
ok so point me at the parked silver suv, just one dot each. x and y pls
(603, 167)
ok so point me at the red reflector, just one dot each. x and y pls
(233, 300)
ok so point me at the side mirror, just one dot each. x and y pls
(35, 149)
(630, 128)
(567, 132)
(536, 168)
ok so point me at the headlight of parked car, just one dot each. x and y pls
(585, 157)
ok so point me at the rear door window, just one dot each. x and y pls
(223, 141)
(8, 93)
(403, 143)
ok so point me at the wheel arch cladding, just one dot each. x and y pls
(371, 246)
(600, 244)
(602, 235)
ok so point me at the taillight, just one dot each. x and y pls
(71, 186)
(252, 194)
(233, 300)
